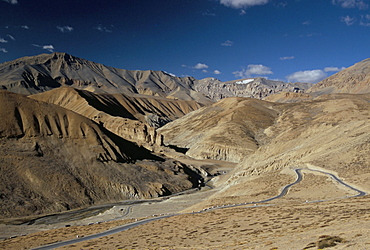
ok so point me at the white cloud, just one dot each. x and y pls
(227, 43)
(333, 69)
(348, 20)
(205, 71)
(102, 28)
(11, 37)
(3, 50)
(25, 27)
(11, 1)
(217, 72)
(201, 66)
(65, 29)
(365, 20)
(238, 4)
(2, 40)
(351, 4)
(287, 58)
(253, 69)
(49, 48)
(308, 22)
(308, 76)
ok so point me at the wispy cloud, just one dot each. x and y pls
(310, 35)
(11, 1)
(2, 40)
(3, 50)
(308, 76)
(49, 48)
(308, 22)
(348, 20)
(227, 43)
(351, 4)
(238, 4)
(365, 20)
(333, 69)
(253, 69)
(103, 29)
(287, 58)
(216, 72)
(208, 13)
(65, 29)
(201, 66)
(11, 37)
(25, 27)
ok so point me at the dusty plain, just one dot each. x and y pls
(296, 221)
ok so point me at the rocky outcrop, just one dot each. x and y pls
(134, 131)
(258, 88)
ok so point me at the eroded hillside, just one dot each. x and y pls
(227, 130)
(54, 159)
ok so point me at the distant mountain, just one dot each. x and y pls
(53, 159)
(352, 80)
(31, 75)
(258, 88)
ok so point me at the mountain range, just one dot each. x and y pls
(74, 133)
(31, 75)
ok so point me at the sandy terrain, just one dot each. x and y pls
(293, 222)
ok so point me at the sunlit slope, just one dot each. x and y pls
(53, 159)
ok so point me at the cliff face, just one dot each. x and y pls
(258, 88)
(54, 159)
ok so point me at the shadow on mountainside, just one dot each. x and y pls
(113, 108)
(131, 149)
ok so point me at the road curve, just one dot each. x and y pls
(283, 192)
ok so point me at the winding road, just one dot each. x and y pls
(283, 192)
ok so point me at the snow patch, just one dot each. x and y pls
(245, 81)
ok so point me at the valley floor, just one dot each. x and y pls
(296, 221)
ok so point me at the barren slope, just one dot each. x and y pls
(353, 80)
(133, 117)
(286, 97)
(54, 159)
(227, 130)
(156, 111)
(31, 75)
(330, 133)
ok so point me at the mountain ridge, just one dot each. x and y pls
(31, 75)
(353, 80)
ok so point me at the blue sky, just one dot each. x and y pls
(289, 40)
